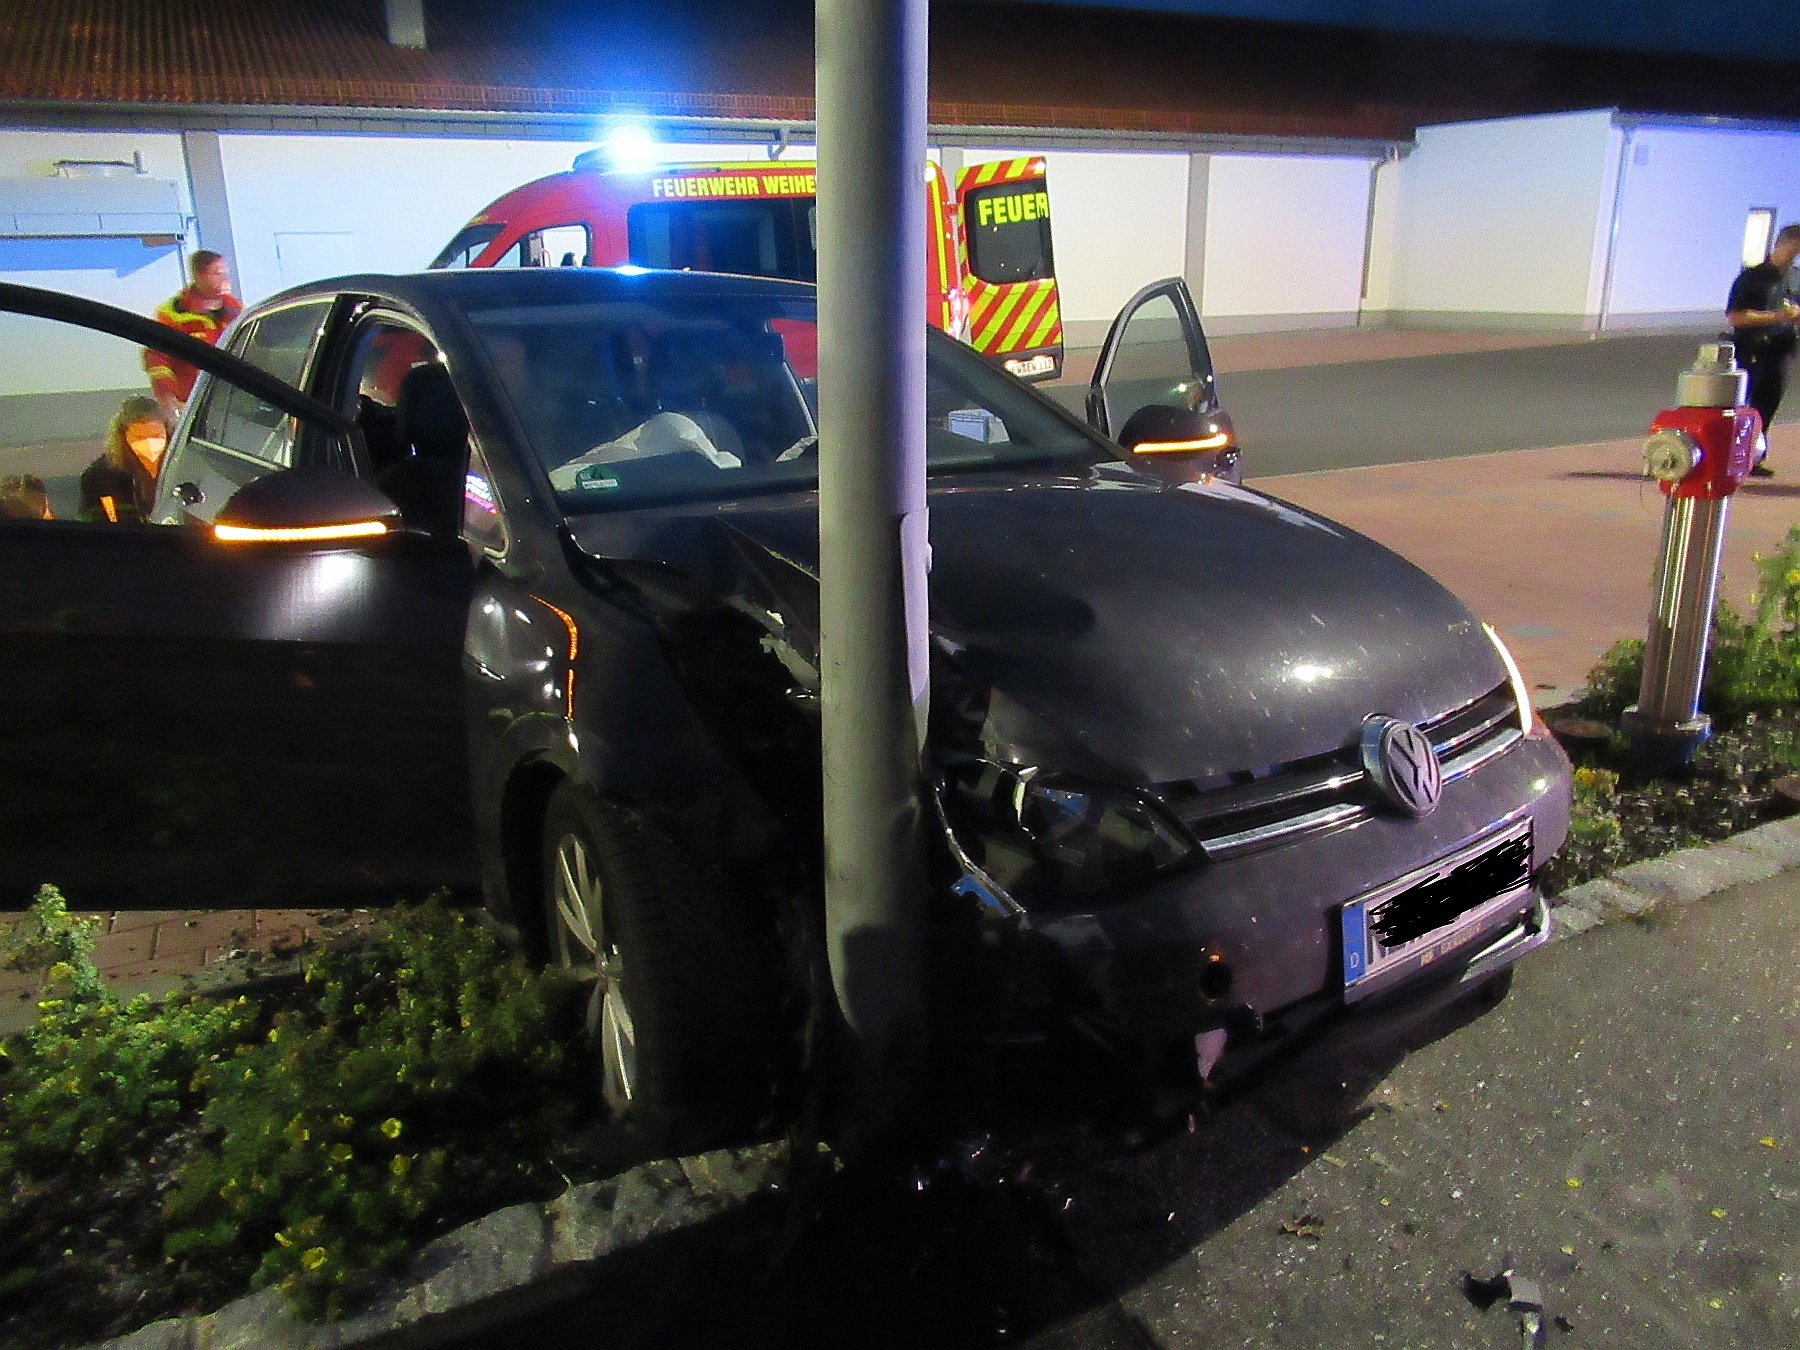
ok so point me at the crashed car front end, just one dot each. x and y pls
(1309, 793)
(1237, 910)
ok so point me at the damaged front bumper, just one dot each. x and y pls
(1228, 959)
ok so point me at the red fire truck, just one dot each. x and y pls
(989, 273)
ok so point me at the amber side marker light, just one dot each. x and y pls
(574, 647)
(1217, 441)
(298, 534)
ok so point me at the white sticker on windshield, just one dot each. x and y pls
(978, 424)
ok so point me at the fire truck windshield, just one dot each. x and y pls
(462, 250)
(670, 398)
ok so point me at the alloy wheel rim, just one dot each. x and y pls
(581, 941)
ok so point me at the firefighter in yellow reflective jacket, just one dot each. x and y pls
(203, 310)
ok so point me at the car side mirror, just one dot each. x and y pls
(311, 505)
(1180, 443)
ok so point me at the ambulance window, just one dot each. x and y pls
(558, 246)
(1008, 227)
(766, 238)
(466, 247)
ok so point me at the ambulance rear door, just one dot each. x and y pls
(1015, 315)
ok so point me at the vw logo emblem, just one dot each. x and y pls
(1402, 765)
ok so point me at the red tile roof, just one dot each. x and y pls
(1002, 63)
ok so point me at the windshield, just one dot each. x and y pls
(466, 247)
(658, 399)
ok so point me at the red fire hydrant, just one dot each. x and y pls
(1700, 451)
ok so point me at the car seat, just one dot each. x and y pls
(685, 378)
(427, 485)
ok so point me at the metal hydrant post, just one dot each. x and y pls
(1700, 451)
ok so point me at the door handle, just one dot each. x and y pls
(189, 494)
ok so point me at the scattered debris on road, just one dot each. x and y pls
(1524, 1298)
(1308, 1226)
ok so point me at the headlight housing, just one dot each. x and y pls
(1516, 678)
(1048, 838)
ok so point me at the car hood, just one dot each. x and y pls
(1149, 634)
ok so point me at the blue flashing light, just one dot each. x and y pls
(631, 146)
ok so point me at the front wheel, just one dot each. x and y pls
(680, 984)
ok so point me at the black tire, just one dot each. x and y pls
(679, 1017)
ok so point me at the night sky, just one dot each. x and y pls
(1768, 29)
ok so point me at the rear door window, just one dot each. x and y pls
(1008, 228)
(234, 437)
(237, 421)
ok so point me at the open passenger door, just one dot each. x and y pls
(233, 672)
(1153, 389)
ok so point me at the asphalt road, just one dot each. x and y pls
(1301, 419)
(1624, 1130)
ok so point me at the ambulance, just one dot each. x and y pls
(990, 276)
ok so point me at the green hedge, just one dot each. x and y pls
(418, 1075)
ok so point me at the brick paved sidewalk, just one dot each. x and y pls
(152, 951)
(1555, 547)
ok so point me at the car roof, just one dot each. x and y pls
(496, 286)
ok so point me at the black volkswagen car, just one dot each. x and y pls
(508, 580)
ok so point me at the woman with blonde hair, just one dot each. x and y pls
(121, 484)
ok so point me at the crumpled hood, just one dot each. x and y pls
(1149, 634)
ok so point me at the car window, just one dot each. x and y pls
(280, 341)
(769, 237)
(1008, 229)
(467, 245)
(415, 431)
(236, 422)
(631, 401)
(482, 522)
(1155, 362)
(557, 246)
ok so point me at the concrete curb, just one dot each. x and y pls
(532, 1255)
(1680, 877)
(503, 1264)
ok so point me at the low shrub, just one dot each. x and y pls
(161, 1156)
(1596, 833)
(1752, 664)
(1623, 813)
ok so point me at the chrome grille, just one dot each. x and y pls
(1245, 812)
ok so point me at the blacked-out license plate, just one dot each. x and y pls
(1428, 911)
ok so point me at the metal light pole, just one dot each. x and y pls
(872, 545)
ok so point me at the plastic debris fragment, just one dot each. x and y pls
(1524, 1299)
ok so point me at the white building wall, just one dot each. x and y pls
(51, 358)
(1686, 194)
(1119, 222)
(1284, 241)
(1384, 225)
(1502, 221)
(307, 206)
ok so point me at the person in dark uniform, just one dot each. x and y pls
(121, 484)
(1761, 313)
